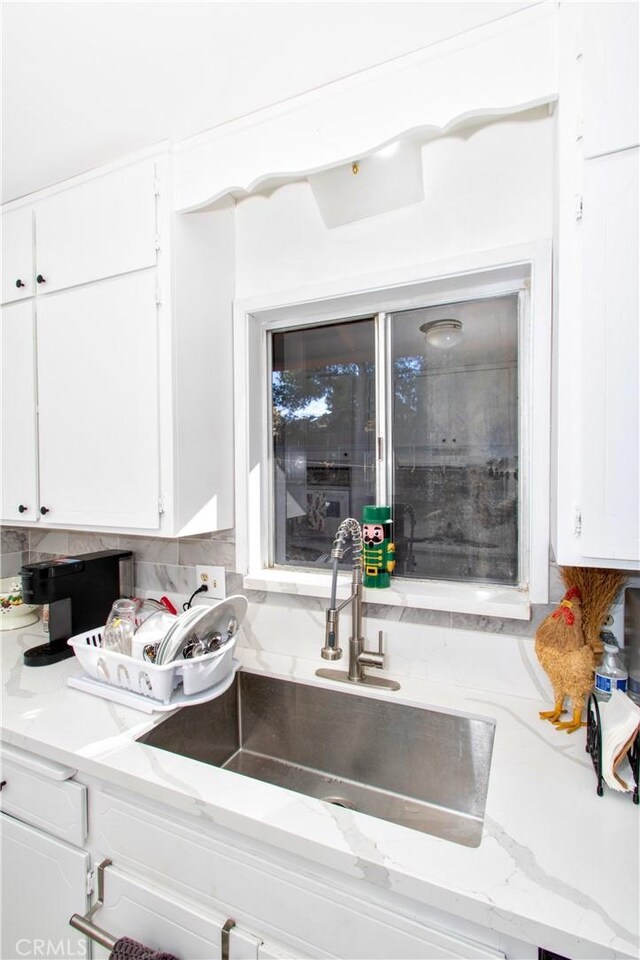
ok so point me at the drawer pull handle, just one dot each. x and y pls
(224, 939)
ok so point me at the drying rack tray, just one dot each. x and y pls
(96, 688)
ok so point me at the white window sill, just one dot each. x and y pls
(486, 600)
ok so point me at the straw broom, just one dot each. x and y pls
(598, 589)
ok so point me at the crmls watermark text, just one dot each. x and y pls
(46, 949)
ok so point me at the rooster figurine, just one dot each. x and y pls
(567, 659)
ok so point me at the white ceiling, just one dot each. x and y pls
(86, 82)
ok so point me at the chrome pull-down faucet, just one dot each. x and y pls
(359, 658)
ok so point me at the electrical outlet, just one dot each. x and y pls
(615, 621)
(214, 578)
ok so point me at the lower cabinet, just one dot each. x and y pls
(134, 908)
(44, 881)
(173, 884)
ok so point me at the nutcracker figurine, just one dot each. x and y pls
(379, 552)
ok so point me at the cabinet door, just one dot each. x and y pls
(158, 919)
(611, 81)
(17, 254)
(610, 359)
(19, 432)
(100, 228)
(44, 882)
(98, 403)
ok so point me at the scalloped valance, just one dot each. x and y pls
(496, 70)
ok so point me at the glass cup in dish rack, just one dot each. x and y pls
(120, 626)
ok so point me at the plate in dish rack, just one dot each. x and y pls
(80, 681)
(203, 622)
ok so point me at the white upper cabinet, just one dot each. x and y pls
(611, 358)
(611, 79)
(98, 400)
(99, 228)
(18, 279)
(18, 494)
(130, 361)
(597, 398)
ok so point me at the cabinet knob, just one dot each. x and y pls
(44, 510)
(40, 279)
(3, 783)
(22, 508)
(19, 284)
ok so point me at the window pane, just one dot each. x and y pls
(323, 407)
(455, 442)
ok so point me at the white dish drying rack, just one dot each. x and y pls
(148, 680)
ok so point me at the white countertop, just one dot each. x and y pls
(557, 866)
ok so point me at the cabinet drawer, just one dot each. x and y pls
(40, 793)
(272, 900)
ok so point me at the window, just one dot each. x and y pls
(323, 409)
(449, 426)
(343, 398)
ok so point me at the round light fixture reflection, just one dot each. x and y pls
(442, 334)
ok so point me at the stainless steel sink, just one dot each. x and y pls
(419, 768)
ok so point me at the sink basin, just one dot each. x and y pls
(419, 768)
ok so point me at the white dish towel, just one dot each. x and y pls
(620, 721)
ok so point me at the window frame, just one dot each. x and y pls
(524, 269)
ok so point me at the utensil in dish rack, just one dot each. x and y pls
(171, 645)
(204, 631)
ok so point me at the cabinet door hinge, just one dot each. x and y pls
(579, 209)
(157, 242)
(577, 522)
(90, 879)
(160, 505)
(158, 296)
(156, 187)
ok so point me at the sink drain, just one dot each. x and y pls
(341, 802)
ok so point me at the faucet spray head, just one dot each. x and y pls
(331, 650)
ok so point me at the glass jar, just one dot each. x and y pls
(121, 626)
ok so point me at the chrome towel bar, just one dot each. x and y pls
(94, 933)
(86, 925)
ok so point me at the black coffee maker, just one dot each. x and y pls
(79, 592)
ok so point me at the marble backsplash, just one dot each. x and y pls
(168, 566)
(470, 650)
